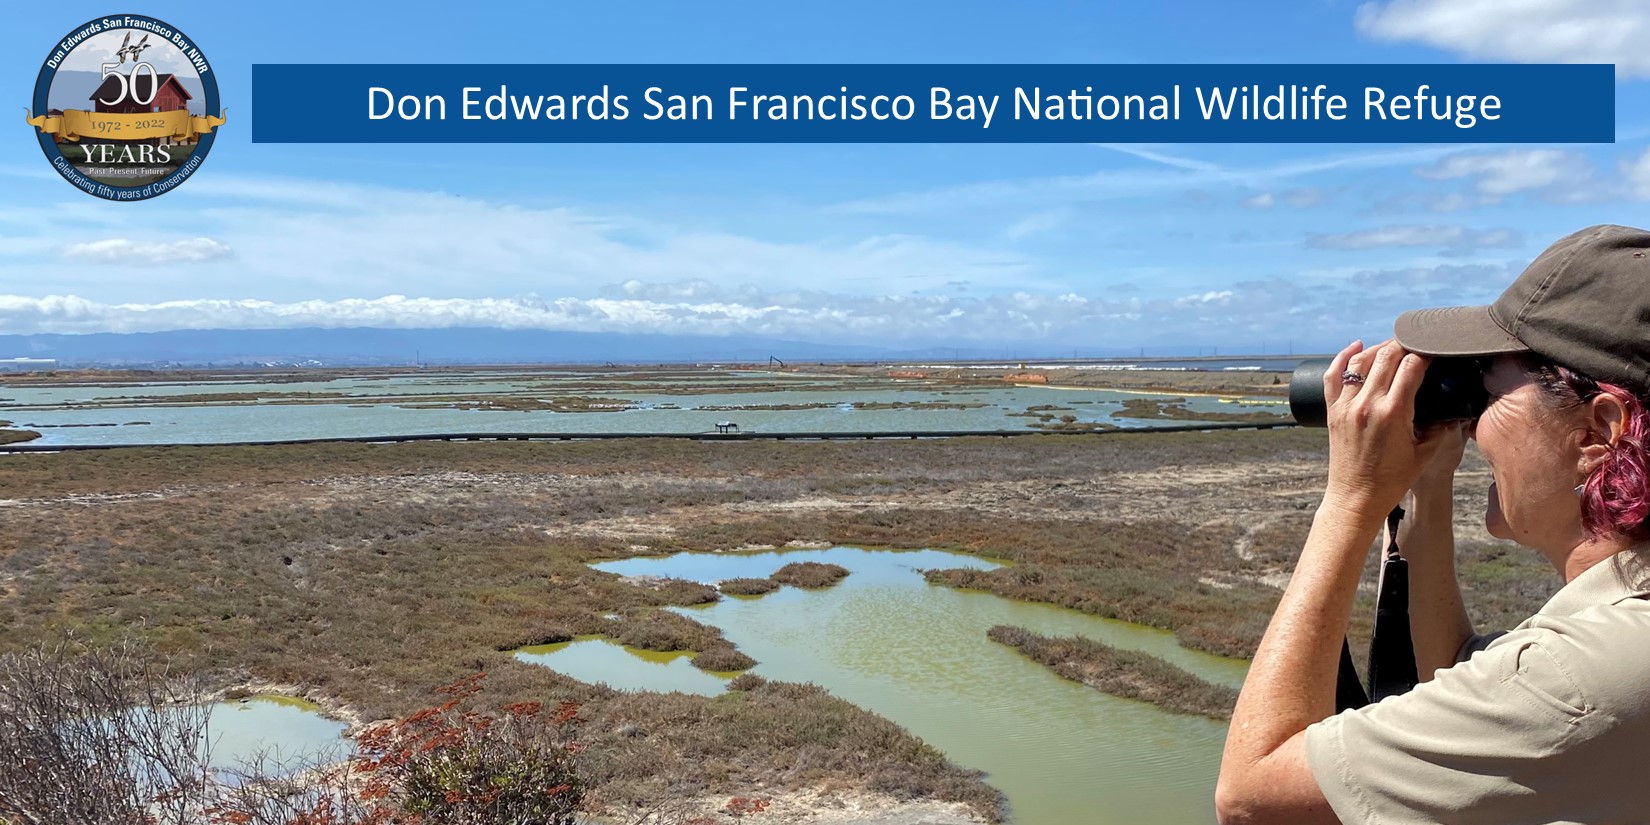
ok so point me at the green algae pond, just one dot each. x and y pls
(917, 654)
(630, 668)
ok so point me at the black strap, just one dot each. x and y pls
(1391, 649)
(1349, 692)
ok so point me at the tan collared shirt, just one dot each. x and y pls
(1549, 723)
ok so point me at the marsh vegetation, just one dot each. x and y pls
(367, 575)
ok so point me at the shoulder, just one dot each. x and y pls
(1597, 659)
(1544, 686)
(1549, 719)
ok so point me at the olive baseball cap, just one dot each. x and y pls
(1584, 303)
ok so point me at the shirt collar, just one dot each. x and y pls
(1618, 578)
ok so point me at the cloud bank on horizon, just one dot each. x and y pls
(1064, 246)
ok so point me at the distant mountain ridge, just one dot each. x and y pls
(370, 346)
(73, 90)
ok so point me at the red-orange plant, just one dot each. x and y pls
(445, 766)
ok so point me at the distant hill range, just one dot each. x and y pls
(368, 347)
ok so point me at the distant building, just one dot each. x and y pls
(27, 364)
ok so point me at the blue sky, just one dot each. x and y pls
(1060, 247)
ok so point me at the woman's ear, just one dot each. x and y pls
(1606, 422)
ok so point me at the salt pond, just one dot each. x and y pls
(915, 653)
(421, 403)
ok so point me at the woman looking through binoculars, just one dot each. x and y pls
(1549, 722)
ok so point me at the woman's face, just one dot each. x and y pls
(1533, 449)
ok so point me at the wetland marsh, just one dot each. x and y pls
(226, 407)
(365, 575)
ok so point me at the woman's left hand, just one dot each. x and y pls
(1375, 455)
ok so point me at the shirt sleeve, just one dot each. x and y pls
(1475, 643)
(1500, 738)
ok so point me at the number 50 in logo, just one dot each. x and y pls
(126, 107)
(126, 89)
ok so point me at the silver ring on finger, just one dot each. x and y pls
(1351, 378)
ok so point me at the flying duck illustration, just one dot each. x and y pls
(128, 50)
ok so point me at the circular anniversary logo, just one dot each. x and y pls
(126, 107)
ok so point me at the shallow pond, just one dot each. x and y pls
(915, 653)
(279, 728)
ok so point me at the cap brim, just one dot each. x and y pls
(1454, 332)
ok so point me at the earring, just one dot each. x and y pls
(1580, 488)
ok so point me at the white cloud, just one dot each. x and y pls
(1636, 172)
(1447, 202)
(1463, 278)
(1166, 176)
(1329, 307)
(1069, 318)
(1498, 174)
(312, 239)
(1304, 197)
(817, 316)
(1037, 223)
(123, 252)
(1531, 31)
(1300, 197)
(1449, 238)
(1145, 153)
(1210, 297)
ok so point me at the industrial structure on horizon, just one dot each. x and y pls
(27, 364)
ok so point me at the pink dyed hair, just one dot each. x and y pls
(1615, 498)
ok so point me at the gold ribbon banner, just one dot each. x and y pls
(75, 124)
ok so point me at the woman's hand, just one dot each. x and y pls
(1374, 452)
(1438, 476)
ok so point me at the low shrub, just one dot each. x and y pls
(746, 681)
(1127, 673)
(687, 593)
(748, 587)
(663, 631)
(723, 660)
(542, 636)
(809, 574)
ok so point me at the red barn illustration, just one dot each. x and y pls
(164, 93)
(169, 97)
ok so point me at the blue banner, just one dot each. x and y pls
(1251, 103)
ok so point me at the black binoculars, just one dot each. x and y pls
(1452, 390)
